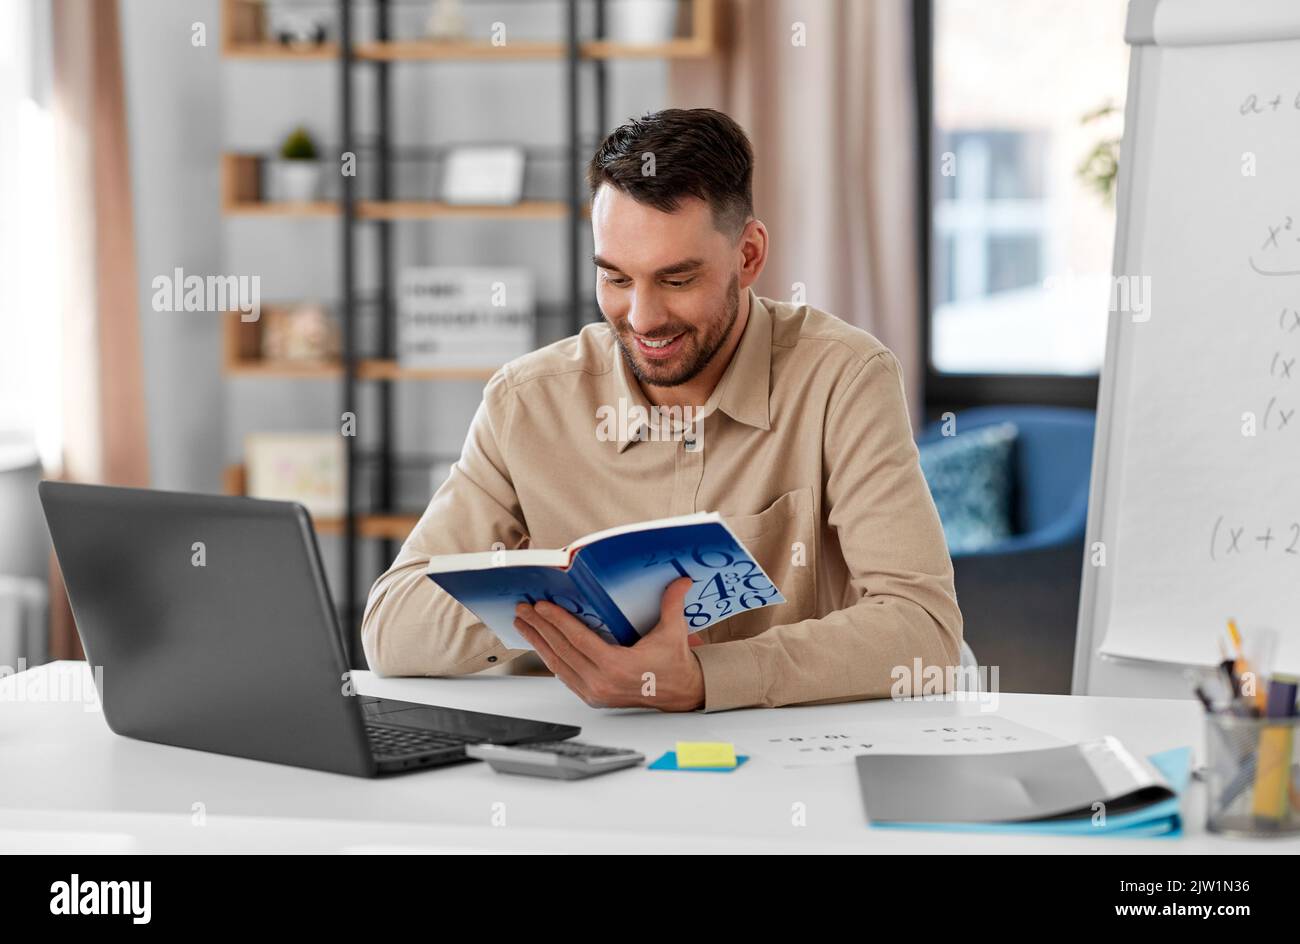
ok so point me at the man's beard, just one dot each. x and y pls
(697, 351)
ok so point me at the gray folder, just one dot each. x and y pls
(1051, 783)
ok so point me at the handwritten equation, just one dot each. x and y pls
(1269, 103)
(1273, 257)
(1280, 412)
(1229, 538)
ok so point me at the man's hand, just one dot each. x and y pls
(606, 676)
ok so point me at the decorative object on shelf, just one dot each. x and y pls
(446, 20)
(304, 332)
(464, 316)
(642, 22)
(303, 467)
(484, 175)
(299, 30)
(298, 172)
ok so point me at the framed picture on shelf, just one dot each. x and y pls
(483, 175)
(302, 467)
(464, 316)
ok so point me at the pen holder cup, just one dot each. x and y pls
(1252, 775)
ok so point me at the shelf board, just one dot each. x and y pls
(429, 209)
(406, 209)
(379, 369)
(382, 527)
(241, 195)
(429, 49)
(268, 50)
(367, 369)
(282, 208)
(686, 47)
(285, 370)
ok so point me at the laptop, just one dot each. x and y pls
(213, 623)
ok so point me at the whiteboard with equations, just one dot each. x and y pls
(1196, 478)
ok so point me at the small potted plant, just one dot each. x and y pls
(299, 171)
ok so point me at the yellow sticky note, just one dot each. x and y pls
(706, 754)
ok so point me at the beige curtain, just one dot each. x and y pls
(833, 127)
(103, 397)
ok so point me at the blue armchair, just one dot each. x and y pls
(1019, 598)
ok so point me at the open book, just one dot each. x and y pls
(614, 580)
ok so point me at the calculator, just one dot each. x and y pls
(563, 760)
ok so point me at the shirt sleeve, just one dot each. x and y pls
(880, 509)
(411, 625)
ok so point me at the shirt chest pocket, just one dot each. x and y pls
(782, 538)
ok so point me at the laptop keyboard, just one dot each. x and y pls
(388, 741)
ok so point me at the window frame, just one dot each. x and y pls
(944, 391)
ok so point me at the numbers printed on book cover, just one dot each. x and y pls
(724, 582)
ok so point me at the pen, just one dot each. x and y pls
(1244, 671)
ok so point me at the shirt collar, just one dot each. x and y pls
(742, 392)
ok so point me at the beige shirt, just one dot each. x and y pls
(806, 452)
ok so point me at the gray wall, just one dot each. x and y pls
(173, 100)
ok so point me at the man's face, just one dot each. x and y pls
(666, 282)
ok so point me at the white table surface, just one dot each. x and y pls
(69, 784)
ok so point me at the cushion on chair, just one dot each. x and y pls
(970, 476)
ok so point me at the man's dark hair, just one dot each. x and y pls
(696, 152)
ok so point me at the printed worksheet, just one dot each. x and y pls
(809, 747)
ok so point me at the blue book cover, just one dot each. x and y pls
(614, 580)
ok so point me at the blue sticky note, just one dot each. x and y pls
(669, 762)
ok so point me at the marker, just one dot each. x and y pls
(1273, 775)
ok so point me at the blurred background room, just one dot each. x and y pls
(230, 228)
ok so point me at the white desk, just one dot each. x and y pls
(69, 784)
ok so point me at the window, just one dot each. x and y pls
(30, 401)
(1022, 103)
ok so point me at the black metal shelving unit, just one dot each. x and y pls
(383, 457)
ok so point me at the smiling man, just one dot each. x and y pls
(799, 437)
